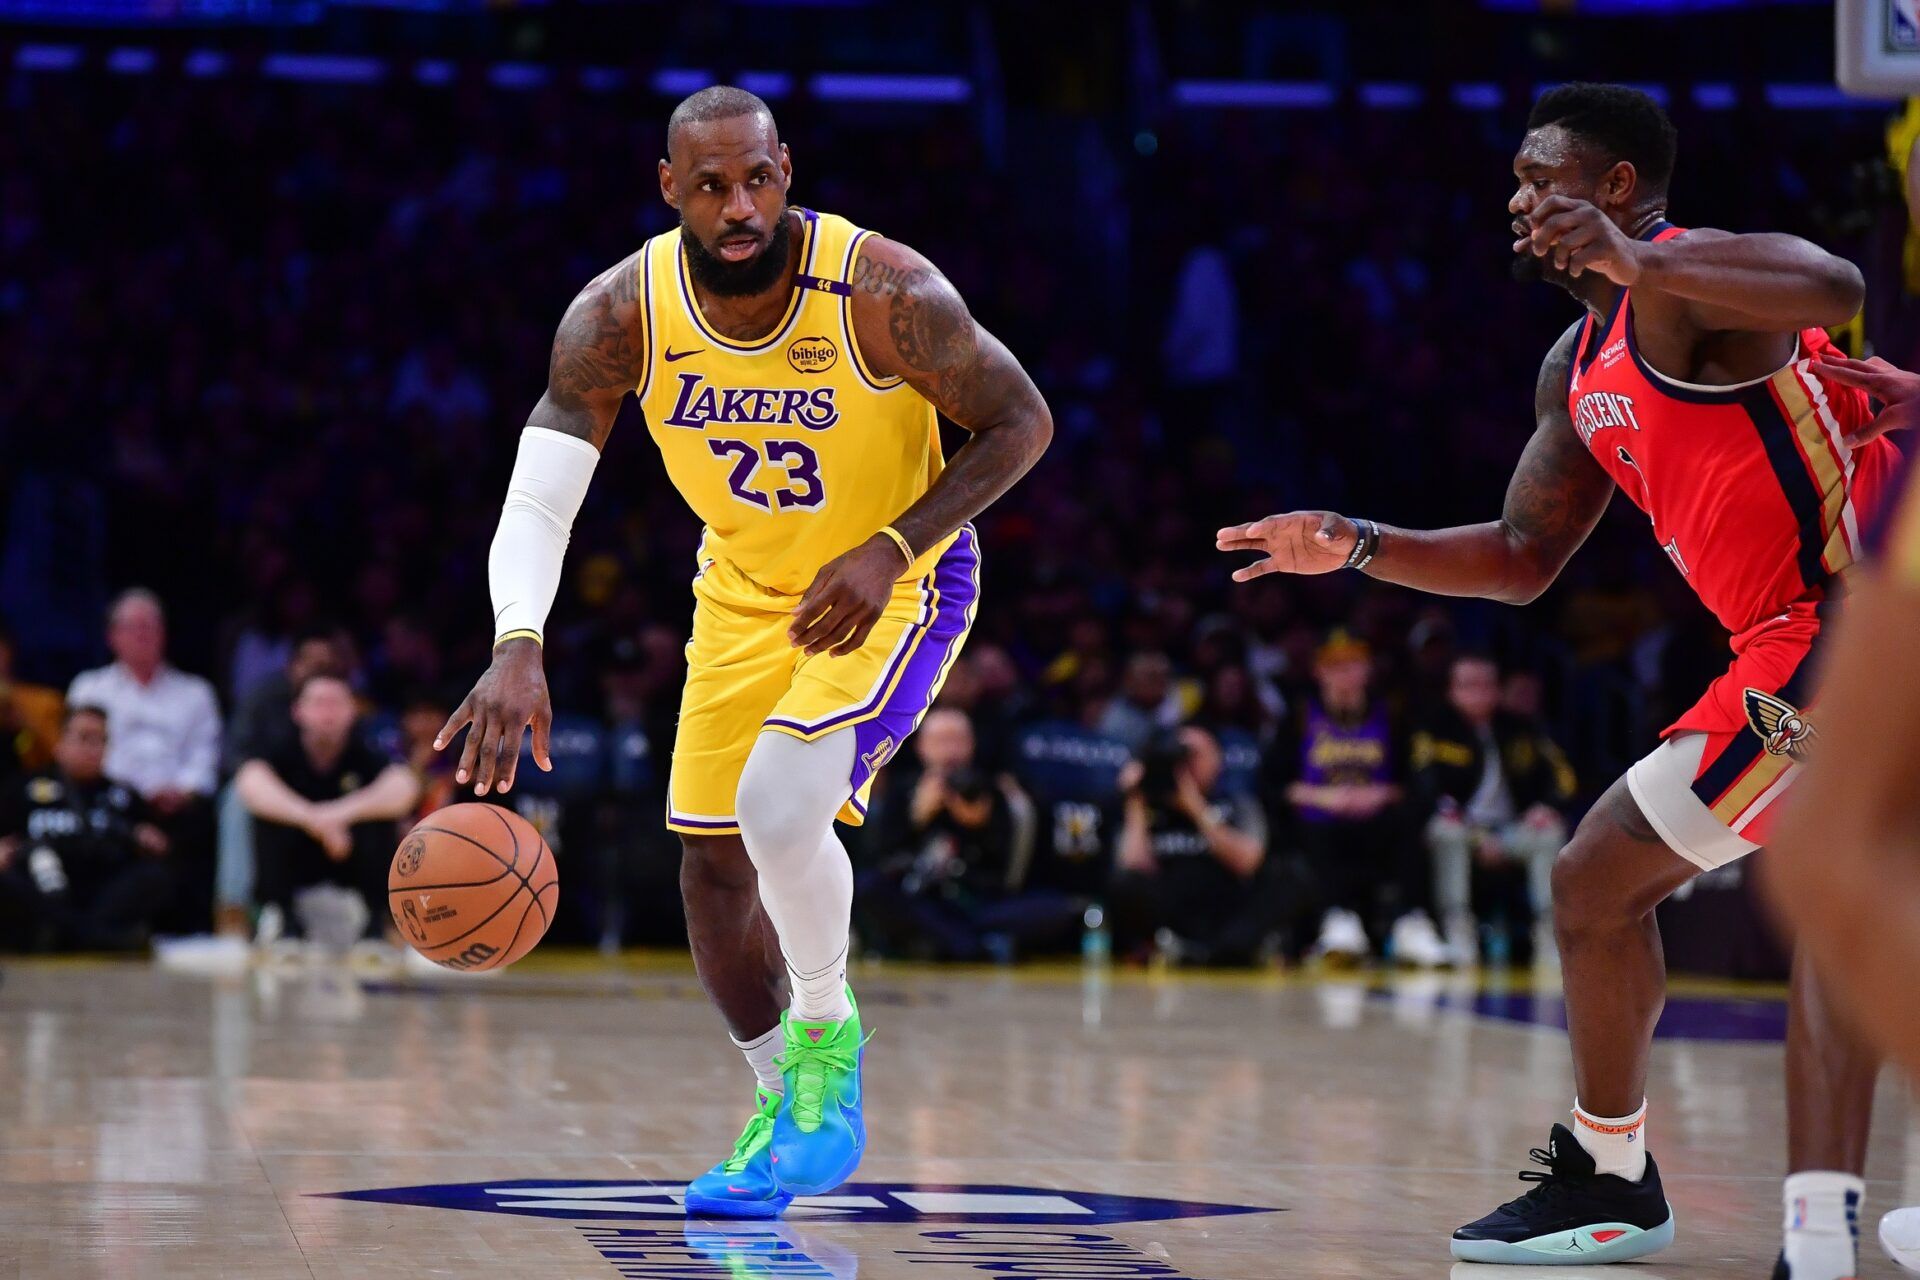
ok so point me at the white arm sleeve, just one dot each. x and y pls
(550, 478)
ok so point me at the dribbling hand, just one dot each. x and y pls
(1306, 542)
(511, 695)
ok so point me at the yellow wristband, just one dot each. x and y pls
(528, 632)
(899, 542)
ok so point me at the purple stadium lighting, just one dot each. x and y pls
(881, 88)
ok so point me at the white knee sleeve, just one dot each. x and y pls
(789, 793)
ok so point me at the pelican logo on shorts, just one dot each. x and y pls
(812, 355)
(410, 916)
(411, 852)
(1780, 725)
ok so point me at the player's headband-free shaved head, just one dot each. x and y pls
(716, 102)
(1622, 122)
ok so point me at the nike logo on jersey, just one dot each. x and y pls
(673, 355)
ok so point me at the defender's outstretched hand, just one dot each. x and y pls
(1893, 386)
(1298, 542)
(511, 695)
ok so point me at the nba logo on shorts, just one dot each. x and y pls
(1903, 26)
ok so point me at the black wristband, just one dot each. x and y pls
(1365, 545)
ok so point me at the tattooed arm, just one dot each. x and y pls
(598, 356)
(1553, 501)
(911, 323)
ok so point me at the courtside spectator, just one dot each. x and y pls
(953, 844)
(259, 721)
(163, 741)
(1341, 767)
(1496, 784)
(325, 805)
(1146, 703)
(81, 863)
(1188, 861)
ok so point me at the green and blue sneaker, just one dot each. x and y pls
(742, 1185)
(819, 1132)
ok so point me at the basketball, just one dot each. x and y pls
(473, 887)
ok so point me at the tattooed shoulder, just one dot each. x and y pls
(599, 347)
(1556, 372)
(1558, 490)
(902, 299)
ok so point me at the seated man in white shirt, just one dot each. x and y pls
(163, 730)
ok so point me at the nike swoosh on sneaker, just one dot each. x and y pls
(673, 355)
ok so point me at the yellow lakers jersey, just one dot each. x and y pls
(789, 447)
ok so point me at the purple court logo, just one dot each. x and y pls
(902, 1202)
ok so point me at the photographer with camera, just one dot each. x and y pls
(954, 845)
(1188, 877)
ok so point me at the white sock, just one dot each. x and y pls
(760, 1053)
(1823, 1224)
(789, 793)
(1618, 1144)
(821, 996)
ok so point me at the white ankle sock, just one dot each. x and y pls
(1823, 1224)
(760, 1053)
(820, 996)
(1618, 1144)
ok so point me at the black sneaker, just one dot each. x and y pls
(1575, 1216)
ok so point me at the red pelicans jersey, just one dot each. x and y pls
(1752, 490)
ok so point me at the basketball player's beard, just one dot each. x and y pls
(726, 279)
(1527, 269)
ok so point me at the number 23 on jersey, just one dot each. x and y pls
(802, 489)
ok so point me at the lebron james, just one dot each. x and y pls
(790, 366)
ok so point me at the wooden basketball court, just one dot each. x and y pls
(298, 1122)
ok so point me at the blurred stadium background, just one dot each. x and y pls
(277, 279)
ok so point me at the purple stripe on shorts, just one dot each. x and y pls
(957, 578)
(704, 823)
(924, 657)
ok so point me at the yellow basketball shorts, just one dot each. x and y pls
(745, 678)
